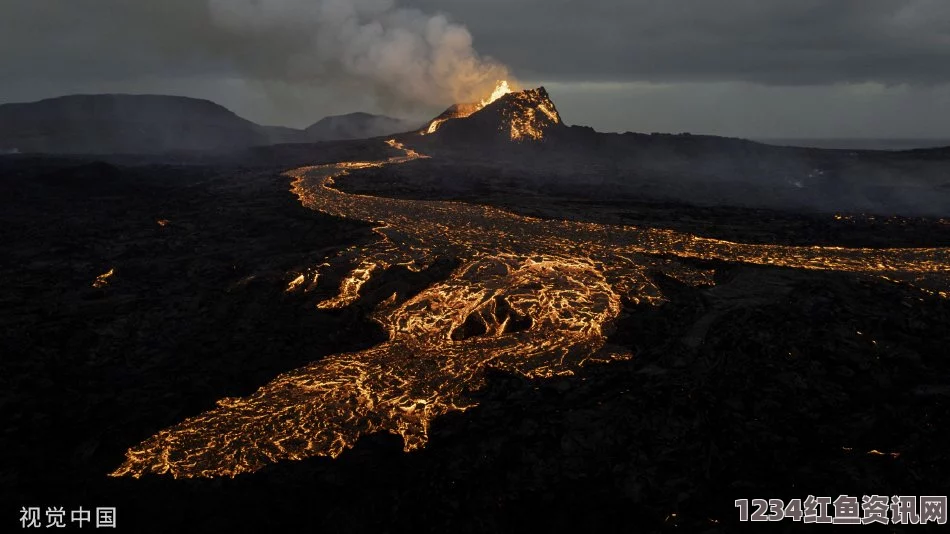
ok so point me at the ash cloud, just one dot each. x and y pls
(405, 56)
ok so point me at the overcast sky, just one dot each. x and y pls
(752, 68)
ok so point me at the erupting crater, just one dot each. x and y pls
(521, 115)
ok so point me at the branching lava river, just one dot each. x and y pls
(533, 297)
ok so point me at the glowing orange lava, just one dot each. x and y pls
(103, 279)
(501, 90)
(533, 297)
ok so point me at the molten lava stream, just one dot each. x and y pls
(536, 298)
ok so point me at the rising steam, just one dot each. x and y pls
(401, 55)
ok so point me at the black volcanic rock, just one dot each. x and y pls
(356, 126)
(116, 123)
(83, 175)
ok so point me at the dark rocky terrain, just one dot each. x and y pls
(774, 383)
(110, 124)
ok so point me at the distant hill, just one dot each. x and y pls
(356, 126)
(116, 123)
(894, 144)
(155, 124)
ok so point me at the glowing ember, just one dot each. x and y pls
(350, 289)
(875, 452)
(103, 279)
(537, 298)
(435, 125)
(295, 283)
(163, 222)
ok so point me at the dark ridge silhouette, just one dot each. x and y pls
(868, 143)
(157, 124)
(116, 123)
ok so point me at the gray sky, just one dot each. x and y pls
(753, 68)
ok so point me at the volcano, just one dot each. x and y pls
(522, 132)
(523, 116)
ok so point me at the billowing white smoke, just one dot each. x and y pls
(403, 55)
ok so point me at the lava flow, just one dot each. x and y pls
(533, 297)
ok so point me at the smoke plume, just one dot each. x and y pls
(403, 56)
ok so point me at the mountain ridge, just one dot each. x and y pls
(121, 123)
